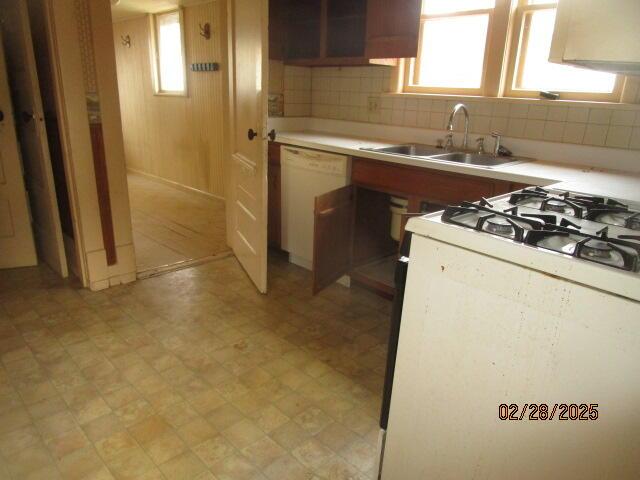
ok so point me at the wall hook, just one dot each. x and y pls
(205, 30)
(126, 40)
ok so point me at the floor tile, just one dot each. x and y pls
(189, 375)
(183, 467)
(213, 450)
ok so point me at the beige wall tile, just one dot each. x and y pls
(574, 132)
(499, 125)
(599, 116)
(438, 105)
(537, 112)
(553, 131)
(635, 138)
(557, 114)
(410, 118)
(578, 114)
(595, 135)
(437, 120)
(501, 109)
(618, 136)
(515, 127)
(534, 129)
(343, 93)
(518, 110)
(623, 117)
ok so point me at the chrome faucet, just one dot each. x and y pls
(456, 109)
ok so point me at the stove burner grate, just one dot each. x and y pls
(492, 221)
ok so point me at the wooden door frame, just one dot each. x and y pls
(61, 23)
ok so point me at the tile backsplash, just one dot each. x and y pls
(362, 94)
(294, 84)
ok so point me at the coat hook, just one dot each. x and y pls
(205, 30)
(126, 40)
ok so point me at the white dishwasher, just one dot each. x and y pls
(305, 175)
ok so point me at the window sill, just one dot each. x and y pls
(170, 94)
(537, 101)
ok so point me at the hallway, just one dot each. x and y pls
(172, 225)
(189, 375)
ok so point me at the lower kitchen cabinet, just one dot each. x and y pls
(353, 224)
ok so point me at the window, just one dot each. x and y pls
(530, 70)
(494, 48)
(169, 52)
(453, 47)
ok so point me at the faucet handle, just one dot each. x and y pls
(480, 143)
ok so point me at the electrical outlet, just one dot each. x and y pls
(373, 104)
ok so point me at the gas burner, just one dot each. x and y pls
(499, 226)
(562, 205)
(619, 216)
(485, 219)
(617, 253)
(596, 249)
(556, 206)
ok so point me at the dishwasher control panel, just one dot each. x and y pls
(315, 161)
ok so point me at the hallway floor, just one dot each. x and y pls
(171, 225)
(189, 375)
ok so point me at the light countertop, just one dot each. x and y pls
(596, 181)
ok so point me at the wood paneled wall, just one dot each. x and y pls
(175, 138)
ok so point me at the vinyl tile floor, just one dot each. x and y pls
(189, 375)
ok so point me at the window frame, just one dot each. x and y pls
(516, 59)
(154, 25)
(502, 59)
(493, 53)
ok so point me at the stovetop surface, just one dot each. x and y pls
(589, 228)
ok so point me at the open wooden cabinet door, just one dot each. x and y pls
(247, 184)
(17, 248)
(332, 236)
(32, 134)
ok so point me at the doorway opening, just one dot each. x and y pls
(28, 85)
(172, 120)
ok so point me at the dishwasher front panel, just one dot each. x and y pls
(305, 175)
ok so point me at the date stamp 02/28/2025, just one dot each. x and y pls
(548, 412)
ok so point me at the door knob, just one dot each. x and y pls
(272, 135)
(251, 134)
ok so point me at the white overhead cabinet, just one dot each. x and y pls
(598, 34)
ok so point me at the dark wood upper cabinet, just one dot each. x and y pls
(393, 28)
(343, 32)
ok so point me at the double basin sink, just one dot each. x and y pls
(433, 153)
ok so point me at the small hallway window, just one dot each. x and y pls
(169, 53)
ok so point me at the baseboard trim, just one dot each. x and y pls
(179, 186)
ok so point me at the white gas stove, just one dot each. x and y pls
(521, 302)
(566, 226)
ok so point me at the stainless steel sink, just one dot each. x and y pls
(409, 150)
(468, 158)
(477, 159)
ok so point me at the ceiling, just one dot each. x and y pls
(134, 8)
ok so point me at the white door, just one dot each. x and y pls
(247, 188)
(32, 134)
(17, 248)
